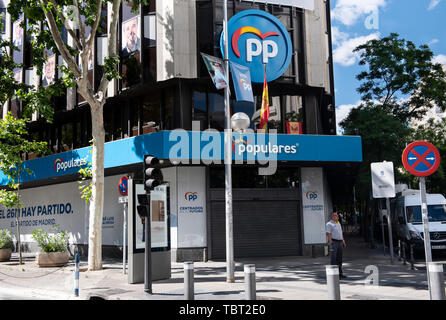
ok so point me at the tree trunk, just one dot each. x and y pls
(97, 199)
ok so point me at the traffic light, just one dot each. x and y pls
(152, 175)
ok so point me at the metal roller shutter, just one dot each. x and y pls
(266, 223)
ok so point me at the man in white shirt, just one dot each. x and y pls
(336, 242)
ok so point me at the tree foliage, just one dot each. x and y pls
(434, 132)
(399, 84)
(383, 138)
(401, 77)
(13, 144)
(80, 20)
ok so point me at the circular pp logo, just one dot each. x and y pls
(257, 38)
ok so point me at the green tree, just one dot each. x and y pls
(435, 133)
(47, 20)
(13, 144)
(400, 84)
(401, 77)
(383, 138)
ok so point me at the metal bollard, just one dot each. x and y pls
(76, 275)
(250, 281)
(189, 281)
(334, 291)
(399, 250)
(436, 281)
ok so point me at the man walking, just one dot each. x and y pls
(336, 242)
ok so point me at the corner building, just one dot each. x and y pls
(165, 86)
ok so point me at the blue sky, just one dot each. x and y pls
(356, 21)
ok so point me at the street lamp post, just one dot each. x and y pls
(228, 161)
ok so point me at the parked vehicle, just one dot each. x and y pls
(407, 220)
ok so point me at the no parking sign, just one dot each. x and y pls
(421, 158)
(124, 186)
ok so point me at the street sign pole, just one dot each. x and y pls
(389, 225)
(124, 237)
(383, 186)
(421, 158)
(382, 225)
(427, 238)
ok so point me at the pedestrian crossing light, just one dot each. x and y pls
(152, 174)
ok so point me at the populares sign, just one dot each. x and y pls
(257, 38)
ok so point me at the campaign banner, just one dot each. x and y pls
(61, 206)
(242, 82)
(216, 70)
(313, 204)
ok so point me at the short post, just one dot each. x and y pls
(436, 281)
(124, 240)
(76, 275)
(399, 250)
(412, 259)
(189, 281)
(334, 291)
(404, 253)
(250, 281)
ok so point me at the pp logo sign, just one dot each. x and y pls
(311, 195)
(257, 38)
(191, 196)
(255, 47)
(245, 84)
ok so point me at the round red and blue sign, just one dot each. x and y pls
(421, 158)
(124, 186)
(257, 38)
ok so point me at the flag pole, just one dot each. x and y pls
(228, 161)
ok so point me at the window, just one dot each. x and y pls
(130, 47)
(66, 137)
(149, 41)
(216, 111)
(435, 212)
(199, 109)
(151, 113)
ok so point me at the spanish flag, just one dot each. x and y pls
(264, 115)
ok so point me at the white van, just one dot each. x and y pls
(408, 223)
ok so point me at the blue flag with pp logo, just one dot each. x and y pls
(242, 82)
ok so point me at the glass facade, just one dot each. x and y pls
(143, 105)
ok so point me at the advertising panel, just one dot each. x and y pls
(159, 211)
(60, 205)
(313, 205)
(191, 207)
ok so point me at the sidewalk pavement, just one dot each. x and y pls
(288, 278)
